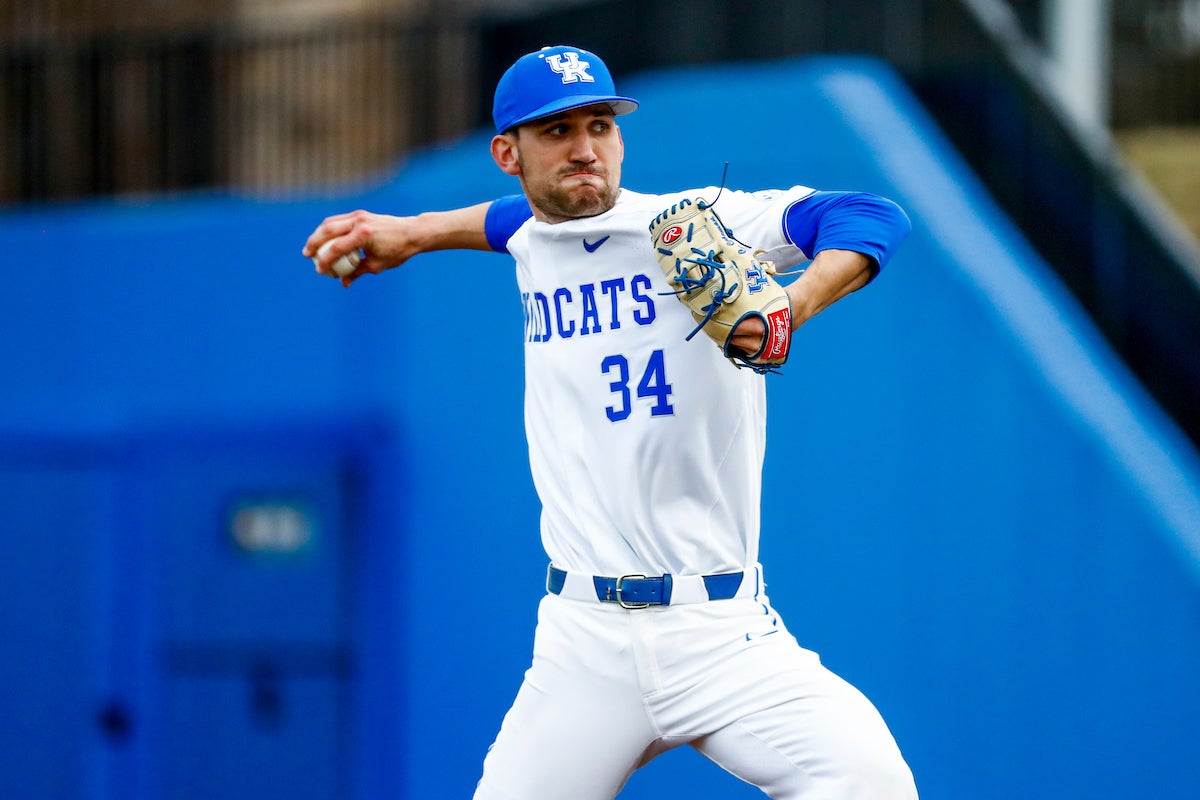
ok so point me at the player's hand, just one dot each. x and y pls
(748, 335)
(386, 242)
(832, 275)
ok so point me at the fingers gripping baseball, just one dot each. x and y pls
(343, 266)
(348, 246)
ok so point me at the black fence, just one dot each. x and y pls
(263, 112)
(211, 105)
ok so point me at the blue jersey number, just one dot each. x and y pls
(652, 385)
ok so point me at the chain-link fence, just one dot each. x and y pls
(264, 112)
(188, 102)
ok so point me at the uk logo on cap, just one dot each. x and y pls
(553, 80)
(570, 67)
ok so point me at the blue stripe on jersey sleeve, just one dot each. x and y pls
(504, 216)
(858, 221)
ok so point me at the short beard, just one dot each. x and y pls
(559, 205)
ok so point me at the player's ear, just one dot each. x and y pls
(504, 153)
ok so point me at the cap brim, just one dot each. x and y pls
(620, 105)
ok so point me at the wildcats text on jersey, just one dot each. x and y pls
(588, 308)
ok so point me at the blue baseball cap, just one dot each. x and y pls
(551, 80)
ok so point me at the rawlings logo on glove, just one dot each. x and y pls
(721, 283)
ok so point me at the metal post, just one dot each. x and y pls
(1078, 34)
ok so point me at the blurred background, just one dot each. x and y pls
(261, 540)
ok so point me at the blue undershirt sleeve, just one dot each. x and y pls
(858, 221)
(504, 216)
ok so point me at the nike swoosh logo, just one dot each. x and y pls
(592, 247)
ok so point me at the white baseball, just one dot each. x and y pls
(344, 265)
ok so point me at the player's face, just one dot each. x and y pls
(569, 164)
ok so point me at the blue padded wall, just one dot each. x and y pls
(973, 512)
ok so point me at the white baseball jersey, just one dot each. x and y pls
(646, 449)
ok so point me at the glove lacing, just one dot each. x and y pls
(713, 269)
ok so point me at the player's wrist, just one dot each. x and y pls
(797, 305)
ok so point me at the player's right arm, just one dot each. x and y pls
(388, 241)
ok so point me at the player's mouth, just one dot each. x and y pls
(584, 174)
(585, 182)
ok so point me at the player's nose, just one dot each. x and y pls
(582, 149)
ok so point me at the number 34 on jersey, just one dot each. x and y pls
(595, 308)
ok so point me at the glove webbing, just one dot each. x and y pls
(712, 270)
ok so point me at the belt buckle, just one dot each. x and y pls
(621, 601)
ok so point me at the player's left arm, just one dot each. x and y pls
(832, 275)
(852, 235)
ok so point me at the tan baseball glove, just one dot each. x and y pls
(722, 283)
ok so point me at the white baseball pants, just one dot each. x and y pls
(610, 688)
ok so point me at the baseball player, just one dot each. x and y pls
(646, 447)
